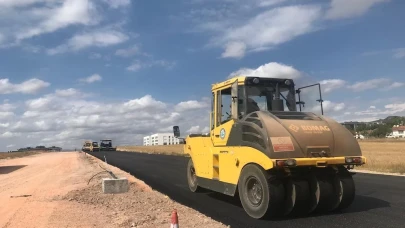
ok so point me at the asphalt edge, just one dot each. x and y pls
(377, 173)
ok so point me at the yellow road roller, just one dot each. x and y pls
(267, 149)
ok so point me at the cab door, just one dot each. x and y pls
(226, 112)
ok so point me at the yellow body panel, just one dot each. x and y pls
(224, 163)
(225, 128)
(221, 85)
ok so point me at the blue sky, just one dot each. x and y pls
(74, 70)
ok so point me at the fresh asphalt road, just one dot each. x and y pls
(380, 199)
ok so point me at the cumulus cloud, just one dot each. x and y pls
(234, 49)
(91, 79)
(192, 105)
(269, 70)
(30, 86)
(269, 28)
(88, 39)
(341, 9)
(66, 119)
(332, 84)
(22, 20)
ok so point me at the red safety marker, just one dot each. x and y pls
(175, 220)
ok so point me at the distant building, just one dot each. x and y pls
(160, 139)
(397, 132)
(146, 141)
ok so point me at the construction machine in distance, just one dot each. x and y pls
(86, 145)
(279, 159)
(106, 145)
(94, 147)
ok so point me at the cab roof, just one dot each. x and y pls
(241, 81)
(218, 85)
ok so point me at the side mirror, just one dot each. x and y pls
(176, 131)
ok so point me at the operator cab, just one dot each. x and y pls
(275, 95)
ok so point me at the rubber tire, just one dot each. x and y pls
(329, 199)
(192, 185)
(349, 190)
(273, 193)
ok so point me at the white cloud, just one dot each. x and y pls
(64, 119)
(389, 109)
(21, 20)
(369, 84)
(341, 9)
(329, 107)
(269, 70)
(30, 86)
(332, 84)
(192, 105)
(234, 49)
(70, 12)
(395, 85)
(131, 51)
(135, 66)
(196, 130)
(91, 79)
(384, 84)
(268, 29)
(117, 3)
(71, 92)
(102, 38)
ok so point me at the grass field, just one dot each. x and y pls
(16, 154)
(383, 155)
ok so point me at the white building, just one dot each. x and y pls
(160, 139)
(146, 141)
(397, 132)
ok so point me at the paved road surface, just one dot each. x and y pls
(380, 200)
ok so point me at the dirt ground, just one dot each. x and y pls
(50, 190)
(5, 155)
(383, 155)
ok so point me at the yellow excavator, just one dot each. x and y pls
(278, 158)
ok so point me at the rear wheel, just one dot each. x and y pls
(330, 191)
(192, 177)
(260, 195)
(348, 189)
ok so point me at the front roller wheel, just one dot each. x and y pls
(259, 194)
(192, 177)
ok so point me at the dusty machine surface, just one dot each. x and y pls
(106, 145)
(278, 158)
(86, 145)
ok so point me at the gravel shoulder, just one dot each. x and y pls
(52, 190)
